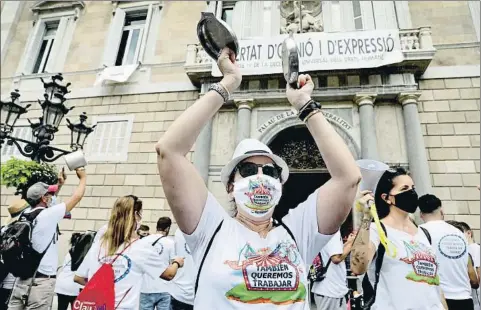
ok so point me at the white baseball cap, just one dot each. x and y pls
(248, 148)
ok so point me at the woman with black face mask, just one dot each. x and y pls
(408, 275)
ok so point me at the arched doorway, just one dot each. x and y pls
(307, 169)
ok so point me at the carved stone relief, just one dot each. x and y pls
(309, 13)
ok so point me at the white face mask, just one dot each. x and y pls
(257, 195)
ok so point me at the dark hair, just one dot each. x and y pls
(163, 223)
(465, 227)
(384, 186)
(429, 203)
(75, 238)
(144, 227)
(455, 224)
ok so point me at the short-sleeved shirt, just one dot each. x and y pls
(451, 248)
(152, 283)
(44, 235)
(412, 273)
(139, 258)
(243, 269)
(334, 284)
(182, 285)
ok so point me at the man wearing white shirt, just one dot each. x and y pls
(182, 286)
(456, 273)
(44, 240)
(154, 293)
(330, 293)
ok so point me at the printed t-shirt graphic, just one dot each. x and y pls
(451, 248)
(271, 275)
(414, 272)
(138, 259)
(242, 268)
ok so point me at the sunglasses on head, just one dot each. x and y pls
(136, 200)
(247, 169)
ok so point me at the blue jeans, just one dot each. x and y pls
(151, 301)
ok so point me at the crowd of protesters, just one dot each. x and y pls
(216, 260)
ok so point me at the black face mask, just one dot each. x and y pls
(407, 201)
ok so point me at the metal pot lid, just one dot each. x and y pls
(290, 61)
(215, 34)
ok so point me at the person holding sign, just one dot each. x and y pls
(402, 268)
(249, 260)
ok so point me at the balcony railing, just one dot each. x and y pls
(416, 44)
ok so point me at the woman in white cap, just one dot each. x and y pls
(248, 259)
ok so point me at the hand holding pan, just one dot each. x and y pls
(290, 61)
(214, 35)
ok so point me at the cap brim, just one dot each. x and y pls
(227, 170)
(52, 189)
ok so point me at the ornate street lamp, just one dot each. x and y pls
(44, 130)
(79, 132)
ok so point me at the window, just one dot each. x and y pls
(23, 132)
(110, 140)
(45, 47)
(133, 31)
(227, 14)
(48, 44)
(356, 8)
(132, 34)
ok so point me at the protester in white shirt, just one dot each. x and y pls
(65, 287)
(182, 286)
(450, 246)
(409, 274)
(253, 262)
(330, 293)
(154, 293)
(45, 240)
(474, 251)
(138, 256)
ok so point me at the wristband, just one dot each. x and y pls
(311, 114)
(221, 90)
(178, 265)
(308, 108)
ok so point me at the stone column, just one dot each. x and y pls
(418, 162)
(368, 126)
(202, 146)
(10, 16)
(244, 109)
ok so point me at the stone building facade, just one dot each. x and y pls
(421, 112)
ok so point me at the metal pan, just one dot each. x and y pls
(214, 34)
(290, 61)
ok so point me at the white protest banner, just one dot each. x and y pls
(321, 51)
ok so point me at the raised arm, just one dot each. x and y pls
(339, 258)
(336, 197)
(79, 191)
(363, 249)
(184, 188)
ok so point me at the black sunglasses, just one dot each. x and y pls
(247, 169)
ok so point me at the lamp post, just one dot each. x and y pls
(44, 130)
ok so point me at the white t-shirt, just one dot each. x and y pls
(335, 283)
(474, 250)
(182, 286)
(244, 270)
(139, 258)
(410, 280)
(45, 228)
(451, 248)
(65, 284)
(152, 283)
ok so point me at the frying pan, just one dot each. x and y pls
(215, 34)
(290, 61)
